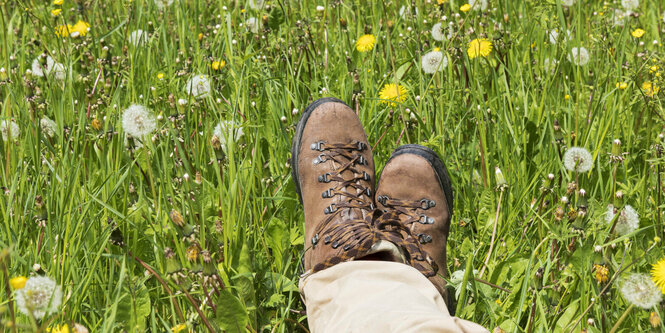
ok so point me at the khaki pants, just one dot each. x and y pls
(376, 296)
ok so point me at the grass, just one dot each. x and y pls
(66, 196)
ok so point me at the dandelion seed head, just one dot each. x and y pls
(252, 25)
(226, 132)
(10, 130)
(40, 296)
(567, 3)
(578, 159)
(161, 4)
(579, 56)
(433, 61)
(49, 127)
(52, 68)
(639, 290)
(198, 86)
(138, 37)
(627, 222)
(137, 121)
(437, 32)
(630, 4)
(478, 4)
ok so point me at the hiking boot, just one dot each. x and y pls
(415, 185)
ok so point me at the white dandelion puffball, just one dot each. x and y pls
(567, 3)
(137, 121)
(630, 4)
(620, 17)
(478, 4)
(138, 37)
(405, 11)
(228, 131)
(437, 32)
(256, 4)
(640, 290)
(198, 86)
(577, 159)
(554, 36)
(549, 65)
(10, 130)
(252, 25)
(39, 297)
(579, 56)
(161, 4)
(627, 222)
(433, 61)
(48, 126)
(52, 68)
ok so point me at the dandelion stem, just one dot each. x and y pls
(622, 318)
(496, 220)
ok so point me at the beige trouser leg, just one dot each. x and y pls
(376, 296)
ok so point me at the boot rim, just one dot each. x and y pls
(435, 162)
(297, 138)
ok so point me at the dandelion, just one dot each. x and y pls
(78, 328)
(226, 132)
(18, 282)
(58, 329)
(578, 159)
(81, 28)
(622, 85)
(639, 290)
(567, 3)
(256, 4)
(138, 37)
(433, 61)
(56, 12)
(48, 126)
(178, 328)
(63, 30)
(658, 274)
(40, 296)
(579, 56)
(554, 36)
(465, 8)
(198, 86)
(654, 319)
(161, 4)
(365, 43)
(627, 222)
(10, 130)
(404, 11)
(252, 25)
(601, 273)
(217, 65)
(51, 68)
(650, 89)
(437, 32)
(630, 4)
(392, 93)
(620, 17)
(478, 4)
(137, 121)
(549, 65)
(637, 33)
(479, 47)
(58, 2)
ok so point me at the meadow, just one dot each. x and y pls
(144, 157)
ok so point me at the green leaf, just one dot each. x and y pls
(231, 315)
(134, 307)
(567, 317)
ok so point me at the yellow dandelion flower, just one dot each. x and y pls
(654, 319)
(441, 2)
(18, 282)
(658, 274)
(637, 33)
(56, 12)
(58, 2)
(96, 124)
(217, 65)
(80, 28)
(178, 328)
(160, 76)
(63, 30)
(58, 329)
(479, 47)
(601, 273)
(192, 252)
(622, 85)
(566, 97)
(650, 89)
(365, 43)
(391, 93)
(465, 7)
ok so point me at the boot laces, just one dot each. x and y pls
(413, 209)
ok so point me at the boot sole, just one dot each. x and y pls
(295, 146)
(437, 164)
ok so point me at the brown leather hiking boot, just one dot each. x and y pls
(333, 170)
(415, 185)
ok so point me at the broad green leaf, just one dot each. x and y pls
(231, 314)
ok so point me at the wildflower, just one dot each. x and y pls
(639, 290)
(658, 274)
(630, 4)
(51, 68)
(58, 2)
(654, 319)
(58, 329)
(137, 121)
(627, 222)
(96, 124)
(178, 328)
(465, 7)
(434, 61)
(567, 3)
(391, 93)
(637, 33)
(18, 282)
(550, 64)
(48, 126)
(479, 47)
(160, 76)
(40, 296)
(478, 4)
(554, 36)
(161, 4)
(10, 130)
(138, 37)
(579, 56)
(578, 159)
(252, 25)
(192, 252)
(437, 32)
(650, 89)
(620, 17)
(601, 273)
(622, 85)
(63, 30)
(198, 86)
(404, 11)
(256, 4)
(365, 43)
(81, 28)
(56, 12)
(226, 132)
(217, 65)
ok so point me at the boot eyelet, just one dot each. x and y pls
(361, 146)
(324, 178)
(424, 238)
(319, 159)
(330, 209)
(427, 204)
(362, 160)
(366, 176)
(368, 192)
(315, 239)
(327, 194)
(317, 145)
(424, 219)
(382, 199)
